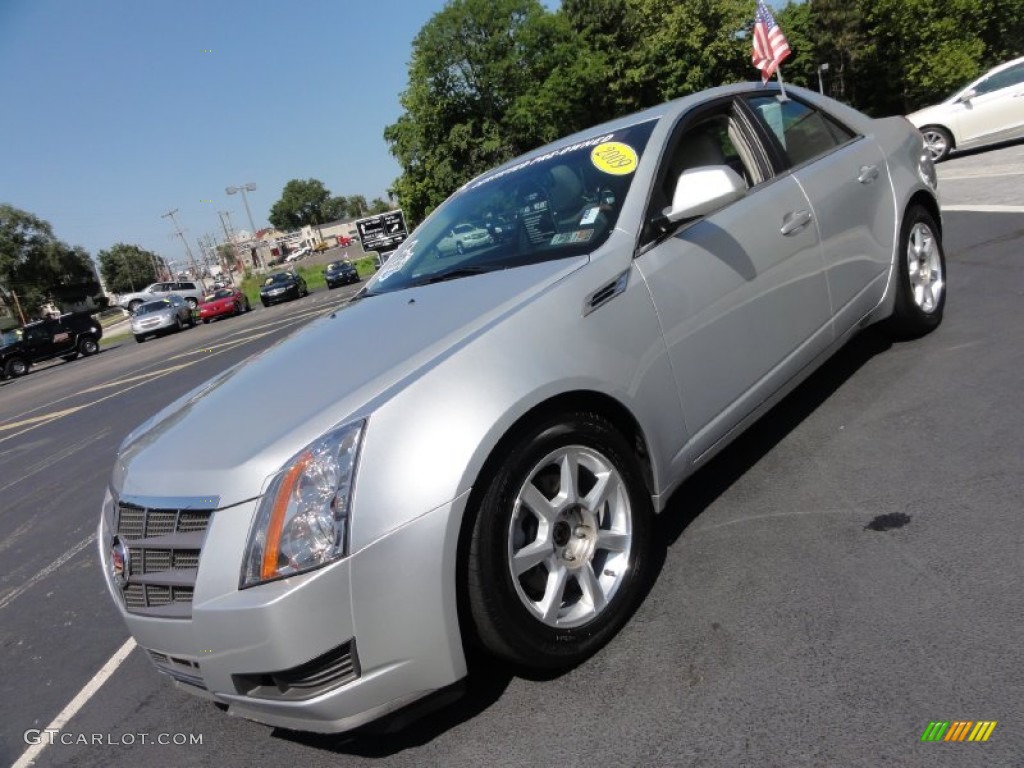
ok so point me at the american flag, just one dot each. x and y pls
(770, 46)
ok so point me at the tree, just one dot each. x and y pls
(127, 268)
(488, 80)
(356, 206)
(378, 205)
(37, 266)
(302, 203)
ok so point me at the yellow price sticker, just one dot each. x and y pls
(614, 157)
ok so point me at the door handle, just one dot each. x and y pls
(868, 173)
(794, 221)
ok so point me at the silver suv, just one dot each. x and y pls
(189, 291)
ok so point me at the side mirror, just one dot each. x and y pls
(967, 95)
(699, 191)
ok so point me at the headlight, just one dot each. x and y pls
(302, 519)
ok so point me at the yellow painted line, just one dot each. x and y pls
(37, 419)
(130, 379)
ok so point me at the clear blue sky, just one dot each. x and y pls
(114, 114)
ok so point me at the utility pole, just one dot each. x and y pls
(191, 258)
(228, 233)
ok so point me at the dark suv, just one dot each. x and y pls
(67, 336)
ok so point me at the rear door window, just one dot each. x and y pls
(803, 132)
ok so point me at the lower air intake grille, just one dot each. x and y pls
(331, 670)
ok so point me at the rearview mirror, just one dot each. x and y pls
(967, 95)
(699, 191)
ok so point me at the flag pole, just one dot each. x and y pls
(782, 84)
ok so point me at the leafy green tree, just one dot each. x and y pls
(488, 80)
(378, 205)
(336, 208)
(37, 266)
(127, 268)
(356, 206)
(302, 203)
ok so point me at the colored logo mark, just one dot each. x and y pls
(958, 730)
(206, 50)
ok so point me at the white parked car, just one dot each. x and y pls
(989, 110)
(299, 254)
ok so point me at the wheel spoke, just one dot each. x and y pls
(607, 485)
(591, 587)
(539, 504)
(531, 555)
(613, 541)
(554, 591)
(570, 472)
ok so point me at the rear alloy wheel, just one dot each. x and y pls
(178, 325)
(88, 346)
(921, 290)
(937, 141)
(560, 551)
(16, 367)
(192, 303)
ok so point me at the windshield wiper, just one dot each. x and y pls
(453, 274)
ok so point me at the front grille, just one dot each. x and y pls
(331, 670)
(164, 545)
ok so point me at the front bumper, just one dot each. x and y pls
(288, 295)
(391, 605)
(163, 323)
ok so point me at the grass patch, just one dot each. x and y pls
(117, 338)
(111, 317)
(314, 277)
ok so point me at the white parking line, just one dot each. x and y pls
(985, 208)
(78, 702)
(10, 596)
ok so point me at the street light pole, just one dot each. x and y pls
(243, 189)
(821, 86)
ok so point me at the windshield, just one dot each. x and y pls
(223, 293)
(334, 266)
(152, 306)
(10, 337)
(558, 204)
(280, 277)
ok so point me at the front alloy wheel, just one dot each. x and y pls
(559, 557)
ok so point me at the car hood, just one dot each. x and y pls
(248, 421)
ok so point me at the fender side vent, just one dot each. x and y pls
(606, 293)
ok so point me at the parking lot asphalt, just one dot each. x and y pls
(842, 575)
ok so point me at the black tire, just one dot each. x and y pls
(265, 304)
(178, 325)
(192, 319)
(498, 602)
(140, 339)
(248, 308)
(192, 303)
(938, 141)
(913, 314)
(15, 367)
(87, 346)
(206, 321)
(70, 358)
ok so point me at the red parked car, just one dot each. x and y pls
(224, 301)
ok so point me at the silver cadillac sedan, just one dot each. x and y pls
(482, 469)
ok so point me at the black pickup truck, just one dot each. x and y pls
(68, 336)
